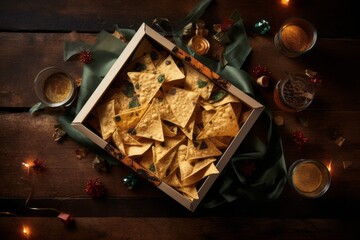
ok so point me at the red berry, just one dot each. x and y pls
(85, 56)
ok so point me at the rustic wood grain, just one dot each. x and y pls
(23, 55)
(65, 175)
(41, 50)
(25, 137)
(173, 228)
(32, 37)
(332, 18)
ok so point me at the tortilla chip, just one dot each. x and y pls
(127, 120)
(157, 56)
(244, 116)
(105, 113)
(190, 167)
(207, 115)
(197, 82)
(223, 123)
(115, 94)
(172, 180)
(229, 98)
(201, 149)
(147, 160)
(218, 144)
(237, 109)
(174, 166)
(169, 131)
(116, 137)
(143, 64)
(170, 69)
(182, 103)
(164, 108)
(150, 125)
(125, 94)
(188, 130)
(162, 148)
(207, 106)
(204, 172)
(133, 150)
(190, 192)
(224, 139)
(128, 139)
(162, 164)
(146, 85)
(143, 48)
(181, 153)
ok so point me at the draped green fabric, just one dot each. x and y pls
(269, 176)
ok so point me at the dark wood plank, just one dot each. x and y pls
(32, 37)
(93, 16)
(22, 56)
(65, 175)
(173, 228)
(332, 58)
(25, 138)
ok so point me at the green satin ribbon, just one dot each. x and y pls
(270, 175)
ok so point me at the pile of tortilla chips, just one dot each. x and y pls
(170, 118)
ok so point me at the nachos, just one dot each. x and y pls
(171, 119)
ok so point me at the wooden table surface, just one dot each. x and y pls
(32, 36)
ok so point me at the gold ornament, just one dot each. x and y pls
(200, 45)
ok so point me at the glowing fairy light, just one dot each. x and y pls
(285, 3)
(26, 231)
(27, 167)
(329, 166)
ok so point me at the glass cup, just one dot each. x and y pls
(294, 94)
(295, 37)
(54, 87)
(310, 178)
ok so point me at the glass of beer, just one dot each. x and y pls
(310, 178)
(54, 87)
(295, 37)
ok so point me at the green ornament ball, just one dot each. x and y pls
(130, 181)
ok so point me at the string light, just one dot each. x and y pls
(27, 167)
(66, 218)
(285, 2)
(329, 166)
(26, 231)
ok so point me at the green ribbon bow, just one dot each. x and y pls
(269, 176)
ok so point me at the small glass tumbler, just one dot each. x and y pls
(54, 87)
(294, 94)
(295, 37)
(310, 178)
